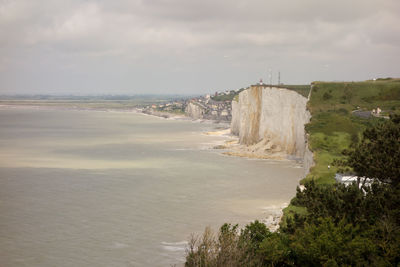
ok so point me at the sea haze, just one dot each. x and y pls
(92, 188)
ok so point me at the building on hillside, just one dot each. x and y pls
(348, 179)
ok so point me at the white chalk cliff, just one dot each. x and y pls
(270, 120)
(194, 111)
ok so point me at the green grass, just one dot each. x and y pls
(234, 94)
(333, 127)
(326, 148)
(289, 212)
(350, 95)
(177, 111)
(223, 97)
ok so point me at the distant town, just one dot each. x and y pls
(217, 106)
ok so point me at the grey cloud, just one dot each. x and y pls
(190, 46)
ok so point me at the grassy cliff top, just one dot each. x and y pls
(336, 122)
(335, 125)
(301, 89)
(383, 93)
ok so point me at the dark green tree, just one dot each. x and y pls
(378, 154)
(342, 225)
(335, 244)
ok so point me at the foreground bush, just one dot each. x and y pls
(357, 225)
(343, 226)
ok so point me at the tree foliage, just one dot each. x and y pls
(378, 154)
(355, 225)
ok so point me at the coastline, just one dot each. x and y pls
(162, 114)
(272, 215)
(67, 107)
(229, 146)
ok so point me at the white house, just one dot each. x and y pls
(349, 179)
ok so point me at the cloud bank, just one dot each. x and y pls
(182, 46)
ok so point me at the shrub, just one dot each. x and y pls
(326, 96)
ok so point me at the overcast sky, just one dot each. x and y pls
(186, 47)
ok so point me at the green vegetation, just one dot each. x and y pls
(178, 110)
(223, 97)
(233, 94)
(343, 227)
(378, 154)
(329, 224)
(349, 95)
(334, 127)
(332, 224)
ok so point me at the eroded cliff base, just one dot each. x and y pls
(261, 150)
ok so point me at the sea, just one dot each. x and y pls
(115, 188)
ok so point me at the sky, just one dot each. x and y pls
(192, 47)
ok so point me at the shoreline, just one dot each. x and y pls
(169, 115)
(229, 146)
(161, 114)
(67, 107)
(271, 215)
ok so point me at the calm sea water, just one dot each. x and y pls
(89, 188)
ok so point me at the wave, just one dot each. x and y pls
(118, 245)
(175, 246)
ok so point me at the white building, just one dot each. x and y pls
(349, 179)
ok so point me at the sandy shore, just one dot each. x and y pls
(273, 216)
(165, 115)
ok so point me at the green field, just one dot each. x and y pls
(334, 127)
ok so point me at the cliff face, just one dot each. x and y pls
(194, 111)
(235, 122)
(249, 115)
(271, 120)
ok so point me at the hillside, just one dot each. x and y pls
(334, 107)
(335, 124)
(326, 223)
